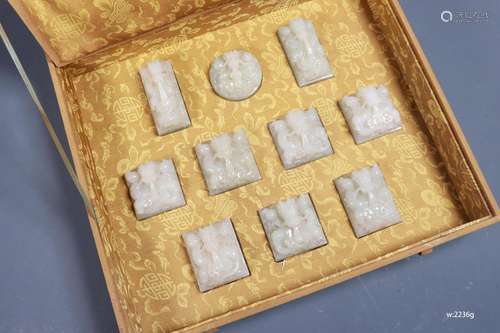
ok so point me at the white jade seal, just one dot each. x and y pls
(235, 75)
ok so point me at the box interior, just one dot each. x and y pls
(423, 165)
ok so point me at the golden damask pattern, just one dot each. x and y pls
(150, 266)
(73, 29)
(168, 39)
(434, 118)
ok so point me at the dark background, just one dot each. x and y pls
(50, 277)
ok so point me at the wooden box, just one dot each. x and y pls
(94, 51)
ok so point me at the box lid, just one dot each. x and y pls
(68, 30)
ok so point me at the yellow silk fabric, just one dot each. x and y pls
(115, 131)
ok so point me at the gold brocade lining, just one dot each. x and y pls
(69, 31)
(432, 114)
(150, 269)
(166, 40)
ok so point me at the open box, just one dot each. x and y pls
(94, 53)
